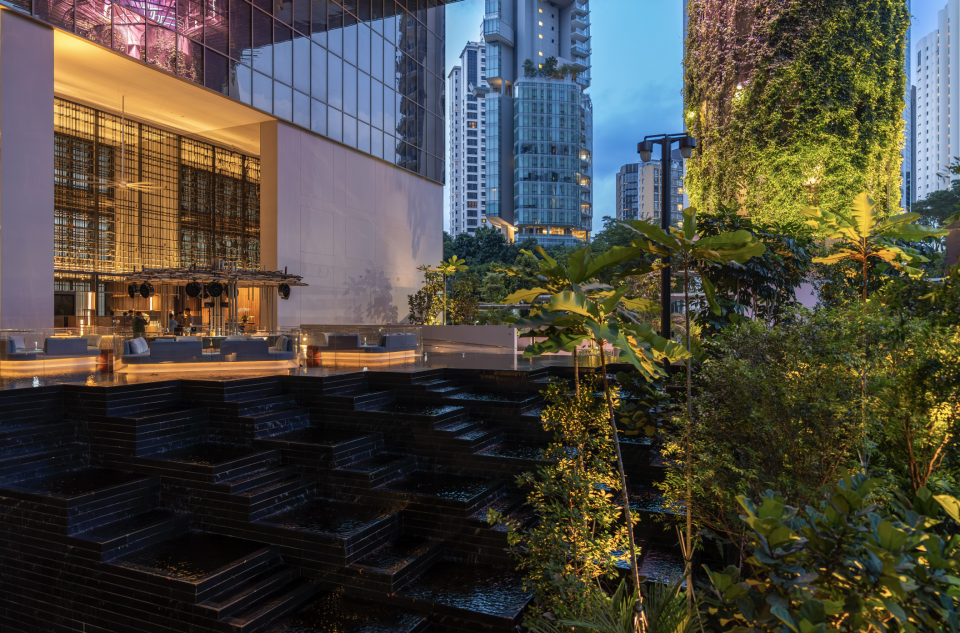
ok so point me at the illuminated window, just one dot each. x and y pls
(541, 10)
(541, 23)
(541, 37)
(541, 53)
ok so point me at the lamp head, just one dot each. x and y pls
(645, 149)
(687, 145)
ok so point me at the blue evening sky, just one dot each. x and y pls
(637, 77)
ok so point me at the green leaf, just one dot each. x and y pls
(950, 505)
(654, 233)
(575, 302)
(524, 296)
(896, 610)
(613, 257)
(710, 292)
(642, 305)
(864, 214)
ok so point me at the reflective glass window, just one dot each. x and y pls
(301, 16)
(349, 90)
(349, 130)
(376, 104)
(318, 73)
(363, 137)
(301, 109)
(189, 19)
(301, 63)
(241, 83)
(334, 81)
(262, 92)
(262, 42)
(215, 73)
(376, 143)
(389, 110)
(282, 101)
(283, 53)
(318, 117)
(363, 48)
(335, 124)
(240, 39)
(334, 28)
(283, 11)
(215, 26)
(264, 5)
(363, 97)
(318, 23)
(190, 60)
(376, 57)
(350, 44)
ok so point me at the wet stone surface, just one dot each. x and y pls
(127, 526)
(513, 398)
(208, 454)
(517, 450)
(77, 483)
(444, 486)
(396, 555)
(334, 612)
(644, 499)
(485, 589)
(319, 436)
(661, 565)
(383, 460)
(335, 518)
(411, 408)
(190, 557)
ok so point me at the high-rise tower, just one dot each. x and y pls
(467, 168)
(539, 119)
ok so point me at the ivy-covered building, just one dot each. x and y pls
(795, 103)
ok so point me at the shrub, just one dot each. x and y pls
(846, 566)
(775, 407)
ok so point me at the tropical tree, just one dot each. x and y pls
(690, 250)
(866, 235)
(449, 269)
(580, 310)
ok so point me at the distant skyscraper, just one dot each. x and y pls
(468, 124)
(638, 190)
(937, 78)
(539, 129)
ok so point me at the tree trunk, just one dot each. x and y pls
(634, 570)
(576, 371)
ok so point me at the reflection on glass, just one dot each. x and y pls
(215, 27)
(349, 90)
(318, 117)
(376, 104)
(334, 81)
(349, 130)
(301, 109)
(363, 137)
(301, 63)
(363, 48)
(363, 97)
(335, 124)
(216, 75)
(318, 73)
(241, 83)
(376, 57)
(262, 43)
(376, 143)
(240, 38)
(283, 101)
(190, 60)
(350, 44)
(283, 53)
(262, 92)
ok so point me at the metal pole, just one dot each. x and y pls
(665, 207)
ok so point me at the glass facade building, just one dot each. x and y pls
(549, 142)
(366, 73)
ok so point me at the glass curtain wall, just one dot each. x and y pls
(367, 73)
(548, 175)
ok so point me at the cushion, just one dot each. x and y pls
(93, 340)
(255, 349)
(138, 346)
(187, 338)
(236, 337)
(344, 341)
(281, 344)
(18, 344)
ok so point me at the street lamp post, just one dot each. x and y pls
(645, 149)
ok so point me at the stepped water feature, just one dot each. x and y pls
(289, 503)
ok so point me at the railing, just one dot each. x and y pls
(581, 6)
(581, 32)
(580, 48)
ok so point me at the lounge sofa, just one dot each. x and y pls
(387, 343)
(13, 348)
(190, 350)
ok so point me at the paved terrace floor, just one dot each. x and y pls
(432, 358)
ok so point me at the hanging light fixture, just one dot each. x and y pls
(214, 288)
(193, 289)
(133, 290)
(284, 291)
(146, 290)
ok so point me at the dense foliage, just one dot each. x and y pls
(794, 103)
(842, 565)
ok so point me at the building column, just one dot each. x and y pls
(280, 210)
(26, 173)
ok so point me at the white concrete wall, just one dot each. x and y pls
(499, 338)
(26, 173)
(354, 227)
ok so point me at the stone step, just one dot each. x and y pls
(255, 406)
(442, 493)
(209, 462)
(257, 479)
(118, 538)
(28, 437)
(374, 471)
(458, 427)
(322, 448)
(277, 422)
(253, 590)
(44, 462)
(274, 606)
(393, 565)
(279, 495)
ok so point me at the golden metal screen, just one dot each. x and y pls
(202, 203)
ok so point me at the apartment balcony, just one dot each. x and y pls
(496, 30)
(584, 80)
(579, 20)
(580, 8)
(580, 35)
(579, 49)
